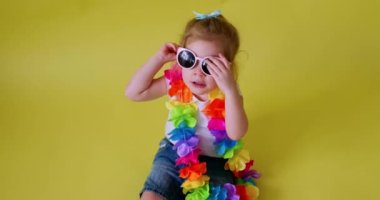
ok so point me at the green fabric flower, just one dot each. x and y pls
(200, 193)
(184, 113)
(230, 152)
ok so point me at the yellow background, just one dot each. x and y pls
(309, 74)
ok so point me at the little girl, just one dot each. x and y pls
(201, 156)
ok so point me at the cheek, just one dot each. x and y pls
(185, 75)
(210, 82)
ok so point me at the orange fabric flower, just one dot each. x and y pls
(252, 191)
(181, 91)
(193, 172)
(215, 109)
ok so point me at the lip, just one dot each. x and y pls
(198, 84)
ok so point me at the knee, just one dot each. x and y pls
(149, 195)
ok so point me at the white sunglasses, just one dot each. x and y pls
(188, 59)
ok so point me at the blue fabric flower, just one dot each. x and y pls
(223, 146)
(217, 193)
(181, 133)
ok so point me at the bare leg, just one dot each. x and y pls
(149, 195)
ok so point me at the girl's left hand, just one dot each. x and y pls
(220, 69)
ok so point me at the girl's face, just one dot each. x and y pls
(199, 83)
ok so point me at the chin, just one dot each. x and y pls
(201, 94)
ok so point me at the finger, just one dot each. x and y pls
(217, 69)
(220, 69)
(215, 63)
(224, 60)
(172, 47)
(213, 71)
(221, 65)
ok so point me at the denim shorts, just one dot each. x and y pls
(164, 180)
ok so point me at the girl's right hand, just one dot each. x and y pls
(167, 52)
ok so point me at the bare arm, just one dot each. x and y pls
(235, 116)
(143, 86)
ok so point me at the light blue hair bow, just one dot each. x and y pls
(201, 16)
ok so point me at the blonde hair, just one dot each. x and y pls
(214, 28)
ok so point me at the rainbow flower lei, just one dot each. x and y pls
(183, 114)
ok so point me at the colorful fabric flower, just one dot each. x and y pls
(173, 74)
(231, 192)
(249, 181)
(217, 193)
(216, 124)
(247, 174)
(215, 109)
(180, 112)
(237, 163)
(216, 94)
(199, 193)
(219, 135)
(181, 91)
(252, 191)
(193, 172)
(223, 146)
(177, 87)
(242, 192)
(248, 192)
(184, 147)
(189, 159)
(182, 132)
(231, 151)
(190, 185)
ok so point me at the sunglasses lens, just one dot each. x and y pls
(204, 67)
(186, 59)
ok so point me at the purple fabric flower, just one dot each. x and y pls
(231, 192)
(219, 135)
(256, 174)
(184, 147)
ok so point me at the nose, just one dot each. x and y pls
(197, 71)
